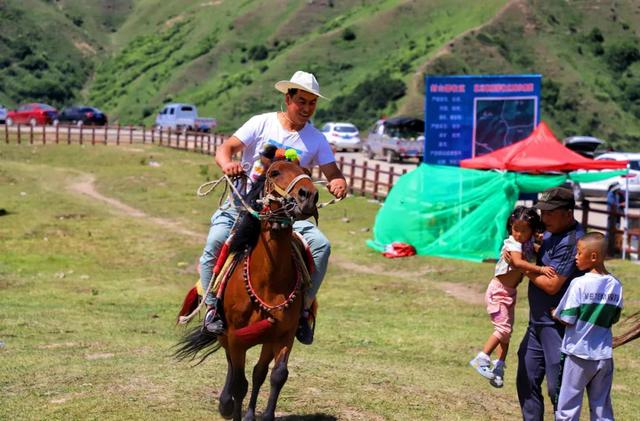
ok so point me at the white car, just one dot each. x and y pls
(344, 136)
(600, 188)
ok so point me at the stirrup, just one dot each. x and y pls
(212, 322)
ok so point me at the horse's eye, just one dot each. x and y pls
(275, 173)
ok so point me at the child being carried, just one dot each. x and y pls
(501, 293)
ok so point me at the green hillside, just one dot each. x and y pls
(48, 49)
(370, 56)
(225, 56)
(586, 51)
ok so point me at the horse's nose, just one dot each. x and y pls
(308, 199)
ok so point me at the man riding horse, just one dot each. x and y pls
(288, 129)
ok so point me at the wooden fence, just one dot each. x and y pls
(613, 221)
(363, 178)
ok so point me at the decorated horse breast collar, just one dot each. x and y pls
(259, 301)
(303, 261)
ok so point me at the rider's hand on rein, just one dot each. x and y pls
(233, 168)
(338, 187)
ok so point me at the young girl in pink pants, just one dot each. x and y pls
(501, 293)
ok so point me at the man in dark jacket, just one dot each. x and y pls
(539, 352)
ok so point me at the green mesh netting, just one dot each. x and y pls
(457, 212)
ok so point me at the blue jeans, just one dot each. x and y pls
(538, 356)
(221, 223)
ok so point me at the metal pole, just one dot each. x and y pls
(626, 216)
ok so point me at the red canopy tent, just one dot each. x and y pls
(540, 152)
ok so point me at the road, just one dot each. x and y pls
(397, 166)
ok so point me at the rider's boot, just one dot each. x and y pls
(307, 326)
(212, 320)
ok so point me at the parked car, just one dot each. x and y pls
(183, 117)
(395, 139)
(584, 145)
(33, 114)
(80, 115)
(344, 136)
(3, 114)
(600, 188)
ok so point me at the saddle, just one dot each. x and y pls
(302, 253)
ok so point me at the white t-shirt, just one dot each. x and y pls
(310, 144)
(590, 306)
(510, 244)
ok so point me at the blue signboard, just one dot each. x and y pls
(468, 116)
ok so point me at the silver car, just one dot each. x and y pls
(3, 114)
(344, 136)
(600, 188)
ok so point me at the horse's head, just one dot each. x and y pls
(289, 182)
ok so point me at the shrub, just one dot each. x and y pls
(598, 50)
(147, 111)
(622, 55)
(550, 91)
(348, 34)
(258, 53)
(366, 102)
(595, 36)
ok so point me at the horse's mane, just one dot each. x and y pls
(247, 229)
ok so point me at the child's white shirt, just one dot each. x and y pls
(591, 305)
(510, 244)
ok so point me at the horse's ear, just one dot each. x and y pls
(306, 171)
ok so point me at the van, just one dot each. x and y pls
(182, 117)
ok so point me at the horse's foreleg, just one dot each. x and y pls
(225, 405)
(279, 375)
(239, 384)
(259, 374)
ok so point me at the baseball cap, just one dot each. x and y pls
(554, 198)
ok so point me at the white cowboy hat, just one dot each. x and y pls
(301, 80)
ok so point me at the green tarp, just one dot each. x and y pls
(456, 212)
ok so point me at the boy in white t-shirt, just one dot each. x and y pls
(289, 129)
(591, 305)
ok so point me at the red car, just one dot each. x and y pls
(33, 114)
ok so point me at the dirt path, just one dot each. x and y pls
(459, 291)
(86, 187)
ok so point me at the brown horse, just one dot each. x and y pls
(262, 300)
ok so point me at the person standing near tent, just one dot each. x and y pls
(539, 352)
(615, 203)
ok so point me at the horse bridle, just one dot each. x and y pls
(287, 202)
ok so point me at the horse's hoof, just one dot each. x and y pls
(226, 409)
(249, 416)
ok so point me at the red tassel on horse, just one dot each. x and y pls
(191, 301)
(253, 333)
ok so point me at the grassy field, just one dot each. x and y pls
(89, 294)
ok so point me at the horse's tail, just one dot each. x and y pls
(195, 341)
